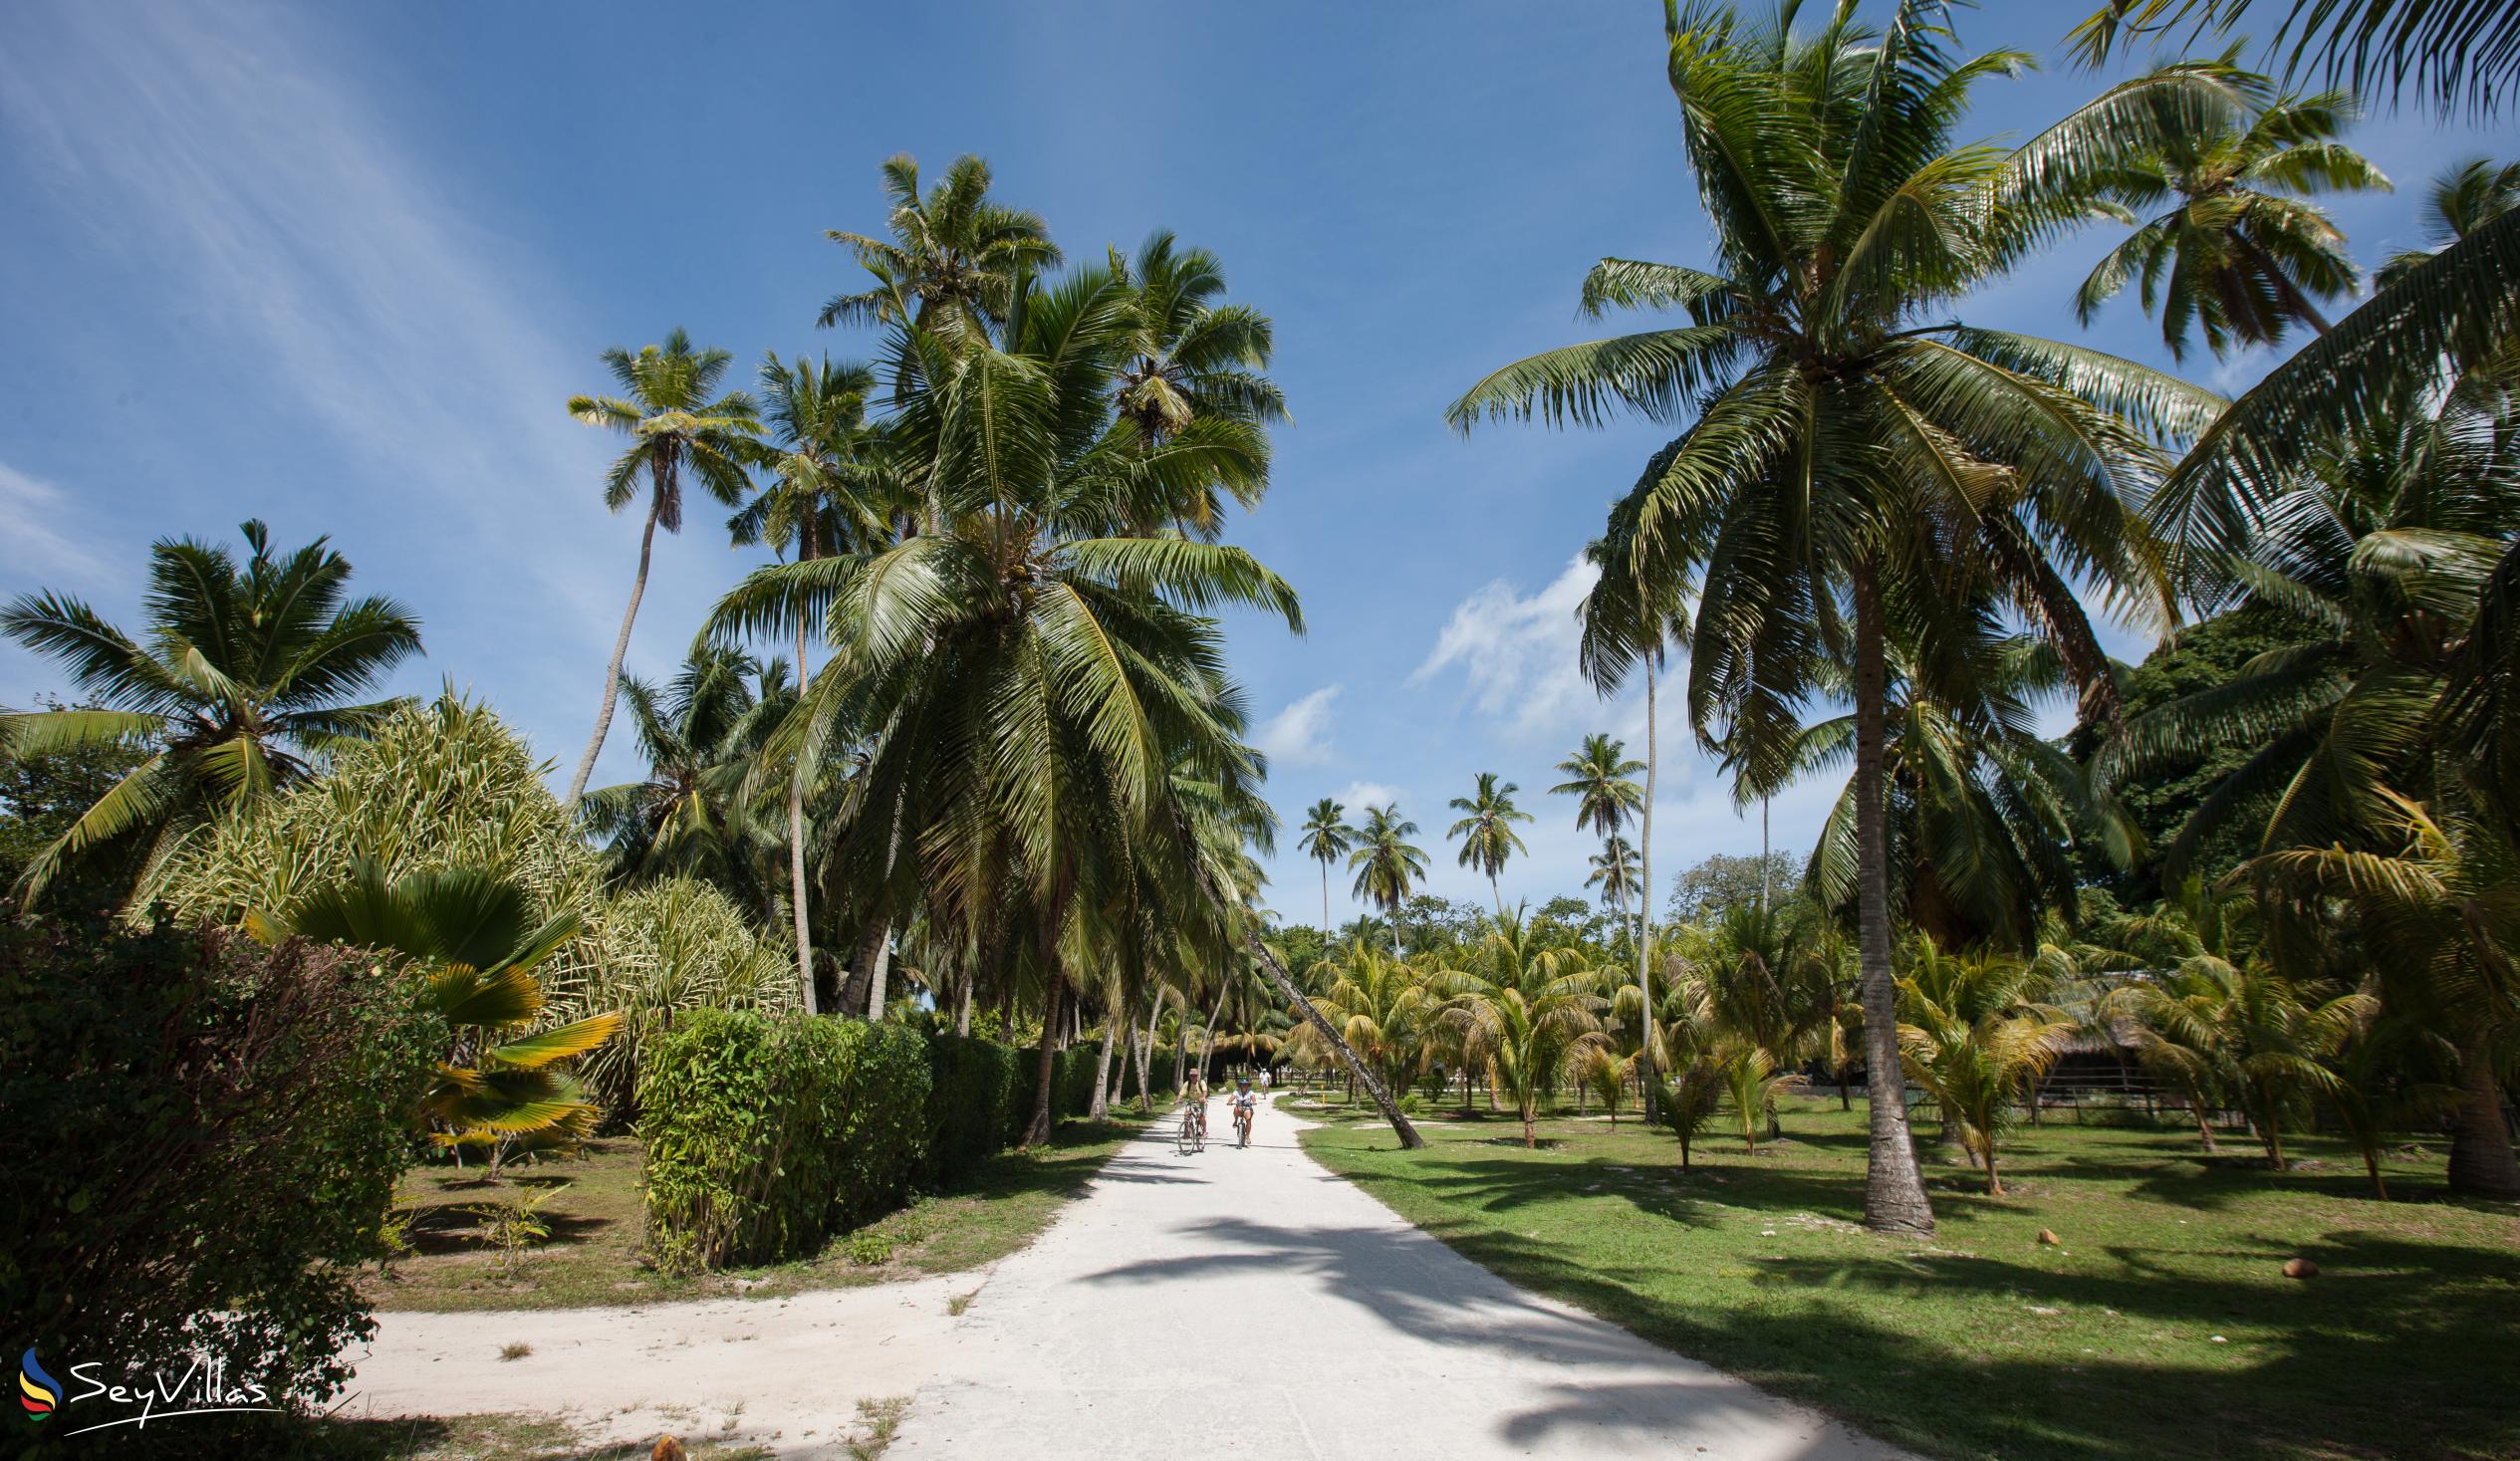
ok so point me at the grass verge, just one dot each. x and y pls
(2162, 1326)
(594, 1253)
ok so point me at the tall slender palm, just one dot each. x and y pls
(1858, 464)
(244, 678)
(1613, 871)
(2238, 253)
(1599, 778)
(1387, 867)
(678, 425)
(1326, 839)
(1487, 829)
(951, 263)
(830, 492)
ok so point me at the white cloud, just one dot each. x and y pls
(1299, 735)
(228, 171)
(33, 543)
(1360, 795)
(1517, 654)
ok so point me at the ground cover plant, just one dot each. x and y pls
(2160, 1324)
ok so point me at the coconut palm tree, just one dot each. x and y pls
(2466, 53)
(1527, 1014)
(2461, 201)
(694, 813)
(1599, 776)
(2439, 908)
(2237, 252)
(1487, 829)
(951, 263)
(1856, 464)
(1614, 873)
(1973, 1033)
(830, 491)
(247, 672)
(678, 426)
(1383, 1007)
(1326, 839)
(1195, 372)
(1386, 864)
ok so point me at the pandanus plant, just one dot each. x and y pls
(477, 937)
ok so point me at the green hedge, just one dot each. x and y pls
(767, 1135)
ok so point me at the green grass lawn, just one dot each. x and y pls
(2162, 1326)
(594, 1253)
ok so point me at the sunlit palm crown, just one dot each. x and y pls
(678, 424)
(1835, 412)
(244, 676)
(700, 735)
(952, 261)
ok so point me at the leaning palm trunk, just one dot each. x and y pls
(1645, 924)
(877, 962)
(796, 843)
(621, 651)
(1101, 1107)
(1893, 1189)
(2481, 1159)
(1356, 1069)
(1045, 1065)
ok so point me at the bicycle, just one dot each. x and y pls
(1194, 1135)
(1242, 1127)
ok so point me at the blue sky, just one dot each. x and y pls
(338, 267)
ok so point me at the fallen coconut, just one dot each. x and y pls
(2048, 1238)
(2299, 1268)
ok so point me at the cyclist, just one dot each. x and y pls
(1195, 1097)
(1244, 1103)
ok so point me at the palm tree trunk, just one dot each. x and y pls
(882, 963)
(1498, 894)
(1324, 905)
(1277, 975)
(1894, 1198)
(1146, 1053)
(1101, 1108)
(796, 852)
(621, 651)
(2480, 1144)
(1045, 1065)
(1645, 926)
(962, 1017)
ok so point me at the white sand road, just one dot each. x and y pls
(1234, 1302)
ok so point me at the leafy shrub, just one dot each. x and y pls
(766, 1134)
(676, 946)
(870, 1248)
(977, 1100)
(201, 1137)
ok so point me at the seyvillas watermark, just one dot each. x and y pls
(152, 1396)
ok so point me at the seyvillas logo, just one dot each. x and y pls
(202, 1389)
(36, 1391)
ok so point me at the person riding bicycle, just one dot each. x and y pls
(1245, 1104)
(1195, 1097)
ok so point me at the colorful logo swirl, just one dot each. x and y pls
(36, 1391)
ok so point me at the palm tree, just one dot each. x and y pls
(479, 941)
(1383, 1007)
(951, 263)
(2239, 252)
(1973, 1034)
(694, 814)
(1855, 458)
(1195, 372)
(1031, 680)
(1487, 831)
(1387, 865)
(1614, 873)
(2440, 909)
(2462, 201)
(677, 425)
(2460, 54)
(1326, 839)
(244, 680)
(830, 492)
(1599, 777)
(1527, 1014)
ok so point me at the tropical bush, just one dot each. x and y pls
(661, 951)
(202, 1135)
(767, 1135)
(976, 1102)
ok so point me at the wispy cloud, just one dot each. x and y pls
(35, 532)
(1359, 795)
(229, 174)
(1299, 735)
(1517, 654)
